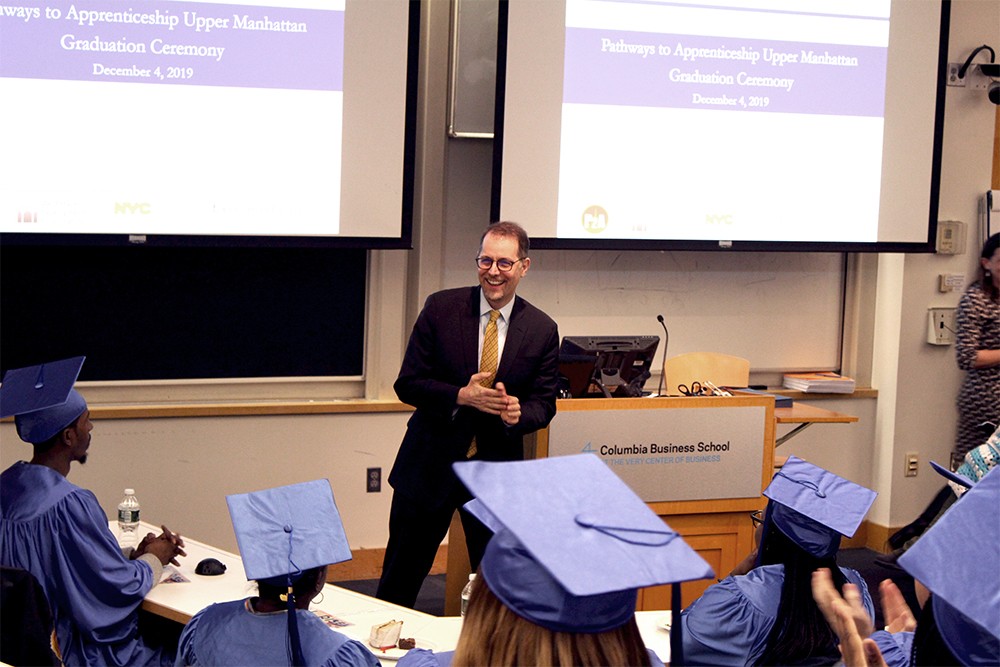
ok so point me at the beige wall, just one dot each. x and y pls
(927, 381)
(183, 467)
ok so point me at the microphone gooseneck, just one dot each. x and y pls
(666, 340)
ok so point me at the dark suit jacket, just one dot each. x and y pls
(443, 353)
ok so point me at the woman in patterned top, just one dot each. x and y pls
(977, 350)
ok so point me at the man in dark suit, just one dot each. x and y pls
(464, 409)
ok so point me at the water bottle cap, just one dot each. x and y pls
(472, 576)
(129, 492)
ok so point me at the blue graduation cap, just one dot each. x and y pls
(956, 559)
(963, 482)
(572, 542)
(813, 507)
(977, 462)
(286, 530)
(42, 399)
(476, 508)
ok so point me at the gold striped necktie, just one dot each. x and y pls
(488, 363)
(491, 350)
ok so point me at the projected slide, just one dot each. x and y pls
(174, 117)
(695, 124)
(761, 121)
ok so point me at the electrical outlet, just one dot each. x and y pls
(912, 464)
(940, 326)
(374, 480)
(953, 79)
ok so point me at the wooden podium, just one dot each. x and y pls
(699, 463)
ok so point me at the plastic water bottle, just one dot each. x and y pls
(467, 592)
(128, 520)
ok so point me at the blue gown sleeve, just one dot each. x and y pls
(421, 657)
(186, 655)
(895, 647)
(352, 653)
(723, 627)
(854, 577)
(102, 586)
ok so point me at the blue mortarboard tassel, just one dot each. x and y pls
(656, 538)
(808, 483)
(298, 660)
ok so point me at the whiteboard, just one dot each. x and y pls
(472, 68)
(782, 311)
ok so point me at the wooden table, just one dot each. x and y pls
(181, 601)
(806, 415)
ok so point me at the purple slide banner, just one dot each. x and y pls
(649, 69)
(163, 42)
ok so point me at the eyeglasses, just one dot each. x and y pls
(486, 263)
(757, 518)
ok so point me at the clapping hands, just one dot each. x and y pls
(494, 401)
(849, 620)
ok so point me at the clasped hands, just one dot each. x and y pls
(167, 546)
(495, 401)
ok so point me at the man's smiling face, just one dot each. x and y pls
(499, 286)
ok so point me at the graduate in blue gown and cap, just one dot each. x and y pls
(558, 583)
(287, 537)
(58, 532)
(955, 561)
(767, 615)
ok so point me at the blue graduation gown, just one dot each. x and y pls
(730, 622)
(895, 647)
(58, 532)
(229, 634)
(420, 657)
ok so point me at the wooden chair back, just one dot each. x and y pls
(723, 370)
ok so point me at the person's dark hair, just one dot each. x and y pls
(928, 646)
(800, 634)
(985, 279)
(507, 228)
(273, 589)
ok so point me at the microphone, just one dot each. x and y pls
(666, 339)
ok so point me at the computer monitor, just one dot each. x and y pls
(605, 366)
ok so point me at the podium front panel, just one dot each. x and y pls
(670, 449)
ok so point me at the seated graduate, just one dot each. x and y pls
(955, 563)
(558, 581)
(58, 532)
(287, 537)
(765, 614)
